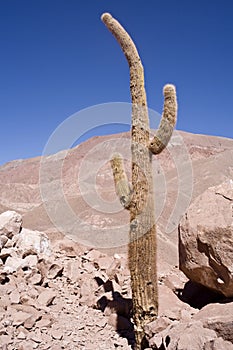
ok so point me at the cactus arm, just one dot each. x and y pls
(168, 121)
(123, 38)
(122, 186)
(140, 120)
(137, 89)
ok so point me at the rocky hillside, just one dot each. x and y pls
(57, 293)
(72, 192)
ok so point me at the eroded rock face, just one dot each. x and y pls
(205, 239)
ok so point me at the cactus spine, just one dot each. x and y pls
(139, 198)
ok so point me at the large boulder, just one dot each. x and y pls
(206, 237)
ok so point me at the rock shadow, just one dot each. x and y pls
(199, 296)
(119, 310)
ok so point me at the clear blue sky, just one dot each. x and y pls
(57, 58)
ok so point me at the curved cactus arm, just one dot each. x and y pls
(126, 43)
(123, 188)
(168, 120)
(129, 49)
(140, 134)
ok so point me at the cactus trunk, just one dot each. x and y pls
(142, 242)
(139, 197)
(142, 235)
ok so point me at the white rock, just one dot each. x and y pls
(33, 242)
(12, 264)
(10, 223)
(30, 261)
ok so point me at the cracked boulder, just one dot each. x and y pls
(205, 239)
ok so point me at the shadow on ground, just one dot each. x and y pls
(199, 296)
(119, 309)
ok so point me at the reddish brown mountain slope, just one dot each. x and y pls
(190, 165)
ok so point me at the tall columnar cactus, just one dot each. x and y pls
(138, 198)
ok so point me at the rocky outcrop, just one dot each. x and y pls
(205, 239)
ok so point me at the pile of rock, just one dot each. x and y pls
(61, 297)
(68, 297)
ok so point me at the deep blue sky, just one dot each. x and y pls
(57, 58)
